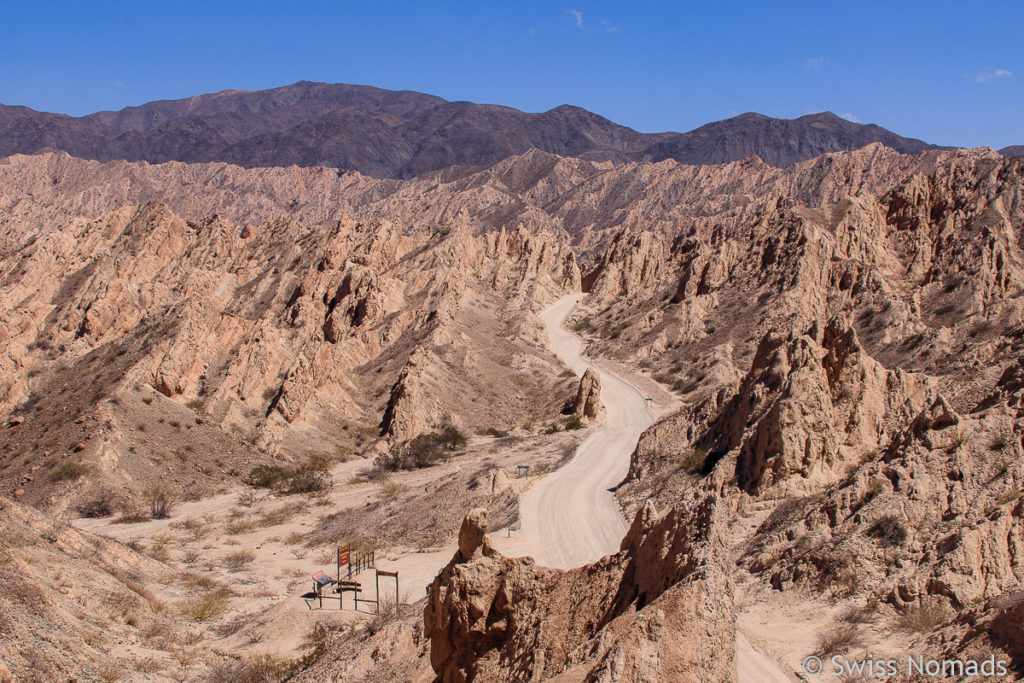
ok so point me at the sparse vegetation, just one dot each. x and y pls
(102, 505)
(205, 607)
(693, 460)
(69, 470)
(161, 501)
(889, 530)
(238, 559)
(923, 618)
(839, 639)
(423, 450)
(305, 479)
(574, 422)
(999, 442)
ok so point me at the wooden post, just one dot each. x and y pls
(380, 573)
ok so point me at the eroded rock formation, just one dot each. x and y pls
(659, 609)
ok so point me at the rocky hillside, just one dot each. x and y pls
(139, 340)
(402, 134)
(852, 430)
(585, 201)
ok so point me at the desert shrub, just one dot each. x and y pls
(69, 470)
(260, 668)
(451, 438)
(693, 459)
(238, 559)
(206, 606)
(839, 639)
(240, 526)
(196, 527)
(320, 461)
(306, 480)
(266, 476)
(999, 442)
(923, 618)
(574, 422)
(423, 450)
(132, 514)
(889, 530)
(552, 429)
(161, 502)
(101, 506)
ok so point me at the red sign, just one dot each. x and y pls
(343, 555)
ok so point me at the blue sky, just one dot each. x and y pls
(947, 72)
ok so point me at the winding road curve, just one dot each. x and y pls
(570, 517)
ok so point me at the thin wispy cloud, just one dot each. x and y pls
(851, 117)
(609, 26)
(814, 63)
(990, 75)
(579, 17)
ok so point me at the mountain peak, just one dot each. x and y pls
(403, 133)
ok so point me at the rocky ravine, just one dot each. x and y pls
(849, 363)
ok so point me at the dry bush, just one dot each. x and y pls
(69, 470)
(196, 527)
(260, 668)
(240, 526)
(110, 673)
(307, 479)
(132, 514)
(205, 607)
(839, 639)
(161, 502)
(148, 665)
(248, 498)
(196, 581)
(858, 615)
(693, 460)
(889, 530)
(423, 450)
(238, 559)
(390, 489)
(102, 505)
(923, 618)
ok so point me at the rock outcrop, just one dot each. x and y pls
(587, 403)
(660, 609)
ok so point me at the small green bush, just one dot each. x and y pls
(693, 459)
(574, 422)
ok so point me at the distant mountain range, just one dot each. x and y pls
(401, 134)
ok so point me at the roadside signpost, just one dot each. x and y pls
(523, 470)
(345, 557)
